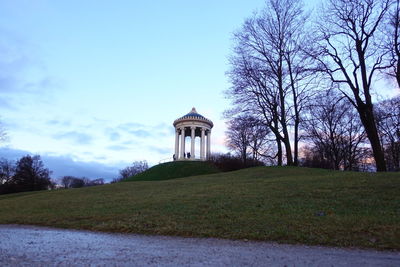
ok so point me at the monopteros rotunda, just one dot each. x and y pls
(194, 125)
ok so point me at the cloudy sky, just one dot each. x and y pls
(93, 85)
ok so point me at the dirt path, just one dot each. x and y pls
(39, 246)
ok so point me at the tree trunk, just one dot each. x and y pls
(368, 120)
(367, 114)
(398, 71)
(244, 156)
(396, 156)
(279, 154)
(282, 119)
(396, 43)
(296, 143)
(296, 110)
(288, 149)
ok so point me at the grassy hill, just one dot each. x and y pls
(176, 169)
(283, 204)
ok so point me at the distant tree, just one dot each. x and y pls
(238, 136)
(7, 171)
(136, 168)
(259, 143)
(95, 182)
(76, 182)
(66, 181)
(228, 162)
(247, 135)
(350, 54)
(86, 181)
(313, 157)
(31, 175)
(72, 182)
(336, 133)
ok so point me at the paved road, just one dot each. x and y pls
(39, 246)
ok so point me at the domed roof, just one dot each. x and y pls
(194, 116)
(193, 113)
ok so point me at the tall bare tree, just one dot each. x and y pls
(251, 92)
(392, 46)
(388, 116)
(350, 54)
(269, 71)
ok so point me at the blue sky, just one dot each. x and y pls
(100, 82)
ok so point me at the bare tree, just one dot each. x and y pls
(388, 116)
(136, 168)
(66, 181)
(259, 142)
(350, 54)
(95, 182)
(246, 135)
(7, 171)
(76, 182)
(250, 94)
(269, 75)
(336, 132)
(238, 136)
(392, 46)
(72, 182)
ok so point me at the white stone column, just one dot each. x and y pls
(182, 143)
(202, 139)
(192, 156)
(176, 144)
(209, 144)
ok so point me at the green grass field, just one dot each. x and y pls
(283, 204)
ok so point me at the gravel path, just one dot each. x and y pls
(40, 246)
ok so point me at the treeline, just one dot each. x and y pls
(304, 86)
(29, 174)
(77, 182)
(135, 168)
(228, 162)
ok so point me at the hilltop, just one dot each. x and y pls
(175, 169)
